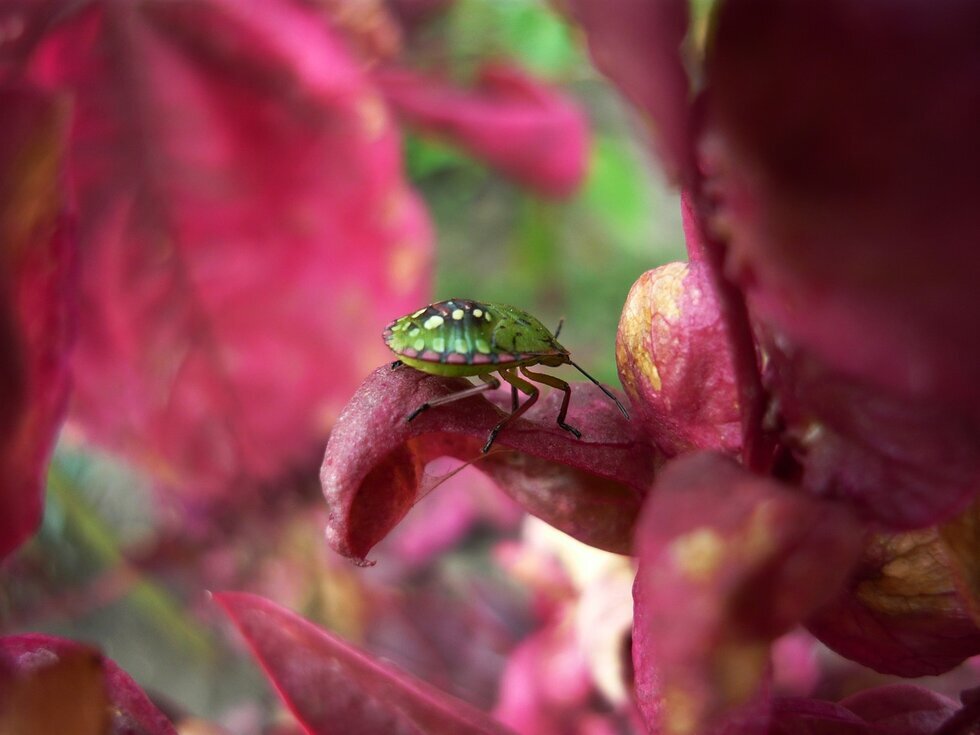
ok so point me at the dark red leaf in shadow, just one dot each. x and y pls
(675, 363)
(245, 227)
(906, 463)
(130, 711)
(373, 470)
(901, 613)
(333, 687)
(798, 716)
(638, 44)
(510, 120)
(902, 709)
(848, 183)
(728, 561)
(36, 302)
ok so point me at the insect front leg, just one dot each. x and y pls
(396, 364)
(489, 383)
(562, 386)
(511, 377)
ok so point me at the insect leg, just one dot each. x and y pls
(562, 386)
(513, 398)
(396, 364)
(523, 385)
(489, 383)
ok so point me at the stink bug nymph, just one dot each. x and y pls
(460, 337)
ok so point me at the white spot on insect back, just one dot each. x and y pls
(419, 313)
(433, 322)
(477, 313)
(458, 314)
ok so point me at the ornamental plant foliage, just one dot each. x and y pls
(202, 210)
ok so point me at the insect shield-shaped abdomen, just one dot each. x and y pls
(460, 337)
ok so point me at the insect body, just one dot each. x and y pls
(460, 337)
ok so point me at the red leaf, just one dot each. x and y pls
(901, 613)
(902, 709)
(64, 666)
(797, 716)
(333, 687)
(36, 300)
(907, 463)
(373, 470)
(245, 226)
(638, 44)
(675, 363)
(728, 562)
(510, 120)
(848, 184)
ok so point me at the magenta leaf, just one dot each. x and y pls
(798, 716)
(902, 709)
(638, 45)
(851, 214)
(373, 469)
(245, 228)
(130, 711)
(333, 687)
(728, 561)
(36, 302)
(905, 462)
(512, 121)
(901, 612)
(675, 362)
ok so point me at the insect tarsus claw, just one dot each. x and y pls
(416, 412)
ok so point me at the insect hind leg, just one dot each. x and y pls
(489, 383)
(516, 382)
(562, 386)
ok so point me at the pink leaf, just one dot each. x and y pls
(333, 687)
(638, 44)
(246, 230)
(675, 363)
(902, 709)
(373, 469)
(797, 716)
(130, 711)
(901, 612)
(851, 213)
(728, 562)
(512, 121)
(905, 462)
(36, 302)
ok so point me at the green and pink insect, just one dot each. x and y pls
(464, 338)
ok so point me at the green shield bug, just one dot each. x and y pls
(464, 338)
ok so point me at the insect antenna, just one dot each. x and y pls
(561, 322)
(601, 387)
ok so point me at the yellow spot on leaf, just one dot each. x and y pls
(680, 715)
(433, 322)
(697, 554)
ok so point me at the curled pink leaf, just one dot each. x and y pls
(674, 360)
(36, 301)
(373, 469)
(76, 677)
(246, 229)
(799, 716)
(638, 45)
(851, 214)
(901, 612)
(333, 687)
(510, 120)
(728, 561)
